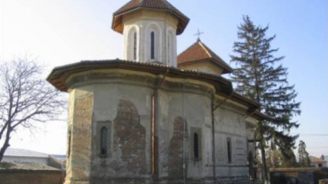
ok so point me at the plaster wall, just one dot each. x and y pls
(129, 150)
(143, 23)
(121, 101)
(230, 124)
(125, 109)
(190, 112)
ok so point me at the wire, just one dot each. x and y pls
(318, 135)
(317, 147)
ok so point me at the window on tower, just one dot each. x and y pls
(152, 45)
(135, 46)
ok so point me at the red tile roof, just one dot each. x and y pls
(200, 52)
(163, 5)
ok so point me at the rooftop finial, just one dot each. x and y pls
(198, 33)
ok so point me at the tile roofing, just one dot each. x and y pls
(159, 4)
(200, 52)
(149, 4)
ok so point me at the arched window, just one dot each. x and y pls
(135, 46)
(196, 146)
(132, 44)
(170, 48)
(154, 40)
(152, 45)
(103, 141)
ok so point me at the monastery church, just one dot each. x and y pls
(156, 117)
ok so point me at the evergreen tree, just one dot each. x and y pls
(288, 159)
(260, 76)
(303, 155)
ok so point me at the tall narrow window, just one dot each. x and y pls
(103, 141)
(229, 149)
(152, 45)
(69, 143)
(135, 46)
(196, 146)
(169, 46)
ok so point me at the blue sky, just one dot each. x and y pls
(59, 32)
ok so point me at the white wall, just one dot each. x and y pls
(144, 22)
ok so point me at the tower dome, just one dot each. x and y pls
(149, 28)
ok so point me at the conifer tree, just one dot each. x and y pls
(303, 155)
(259, 75)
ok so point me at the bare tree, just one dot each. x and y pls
(25, 98)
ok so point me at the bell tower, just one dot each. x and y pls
(149, 28)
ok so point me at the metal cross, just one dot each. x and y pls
(198, 33)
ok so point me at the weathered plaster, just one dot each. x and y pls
(122, 101)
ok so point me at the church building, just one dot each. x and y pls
(155, 117)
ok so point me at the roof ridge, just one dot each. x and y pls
(205, 48)
(214, 55)
(199, 51)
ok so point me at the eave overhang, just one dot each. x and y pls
(117, 22)
(59, 76)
